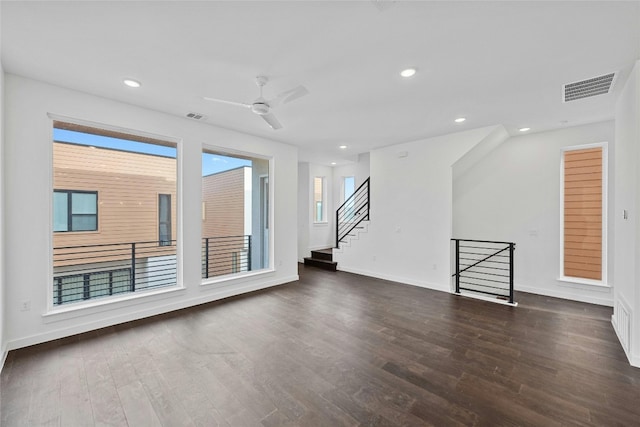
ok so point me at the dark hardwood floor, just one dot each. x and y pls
(334, 349)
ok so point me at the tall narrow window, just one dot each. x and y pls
(235, 214)
(128, 181)
(584, 209)
(164, 219)
(319, 208)
(348, 188)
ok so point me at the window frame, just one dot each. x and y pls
(70, 213)
(224, 280)
(603, 282)
(56, 313)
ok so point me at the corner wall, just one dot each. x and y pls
(513, 194)
(626, 314)
(408, 237)
(3, 347)
(28, 193)
(313, 235)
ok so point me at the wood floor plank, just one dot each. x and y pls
(334, 349)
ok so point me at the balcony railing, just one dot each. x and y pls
(484, 267)
(225, 255)
(95, 271)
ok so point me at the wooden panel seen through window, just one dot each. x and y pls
(583, 213)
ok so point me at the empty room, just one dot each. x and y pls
(319, 213)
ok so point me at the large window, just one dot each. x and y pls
(319, 197)
(75, 210)
(235, 214)
(128, 182)
(583, 209)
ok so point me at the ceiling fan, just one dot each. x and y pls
(263, 107)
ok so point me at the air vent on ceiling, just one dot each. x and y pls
(195, 116)
(590, 87)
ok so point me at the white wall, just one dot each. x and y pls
(513, 194)
(28, 178)
(304, 211)
(627, 231)
(359, 170)
(410, 227)
(3, 350)
(314, 235)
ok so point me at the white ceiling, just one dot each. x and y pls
(492, 62)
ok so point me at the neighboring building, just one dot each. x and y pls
(112, 207)
(226, 222)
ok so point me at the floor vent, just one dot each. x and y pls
(623, 324)
(195, 116)
(590, 87)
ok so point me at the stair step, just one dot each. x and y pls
(324, 254)
(321, 263)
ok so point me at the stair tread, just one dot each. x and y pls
(324, 261)
(321, 263)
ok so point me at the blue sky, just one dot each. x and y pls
(211, 163)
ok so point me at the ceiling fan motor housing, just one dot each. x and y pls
(260, 108)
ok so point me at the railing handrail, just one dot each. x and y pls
(140, 243)
(354, 193)
(112, 244)
(484, 241)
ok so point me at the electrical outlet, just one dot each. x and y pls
(25, 306)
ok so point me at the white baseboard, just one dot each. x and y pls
(393, 278)
(141, 314)
(573, 297)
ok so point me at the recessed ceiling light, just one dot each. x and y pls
(524, 129)
(333, 163)
(132, 83)
(409, 72)
(460, 120)
(343, 147)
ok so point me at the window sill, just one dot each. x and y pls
(225, 280)
(588, 282)
(101, 304)
(321, 223)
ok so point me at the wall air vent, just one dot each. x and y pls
(586, 88)
(195, 116)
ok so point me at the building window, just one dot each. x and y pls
(235, 213)
(75, 210)
(583, 218)
(164, 219)
(319, 197)
(134, 248)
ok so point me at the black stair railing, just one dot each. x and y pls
(485, 267)
(352, 212)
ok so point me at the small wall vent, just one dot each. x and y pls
(195, 116)
(586, 88)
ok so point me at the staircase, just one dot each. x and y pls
(351, 214)
(322, 258)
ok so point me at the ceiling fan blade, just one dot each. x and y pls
(288, 96)
(223, 101)
(271, 121)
